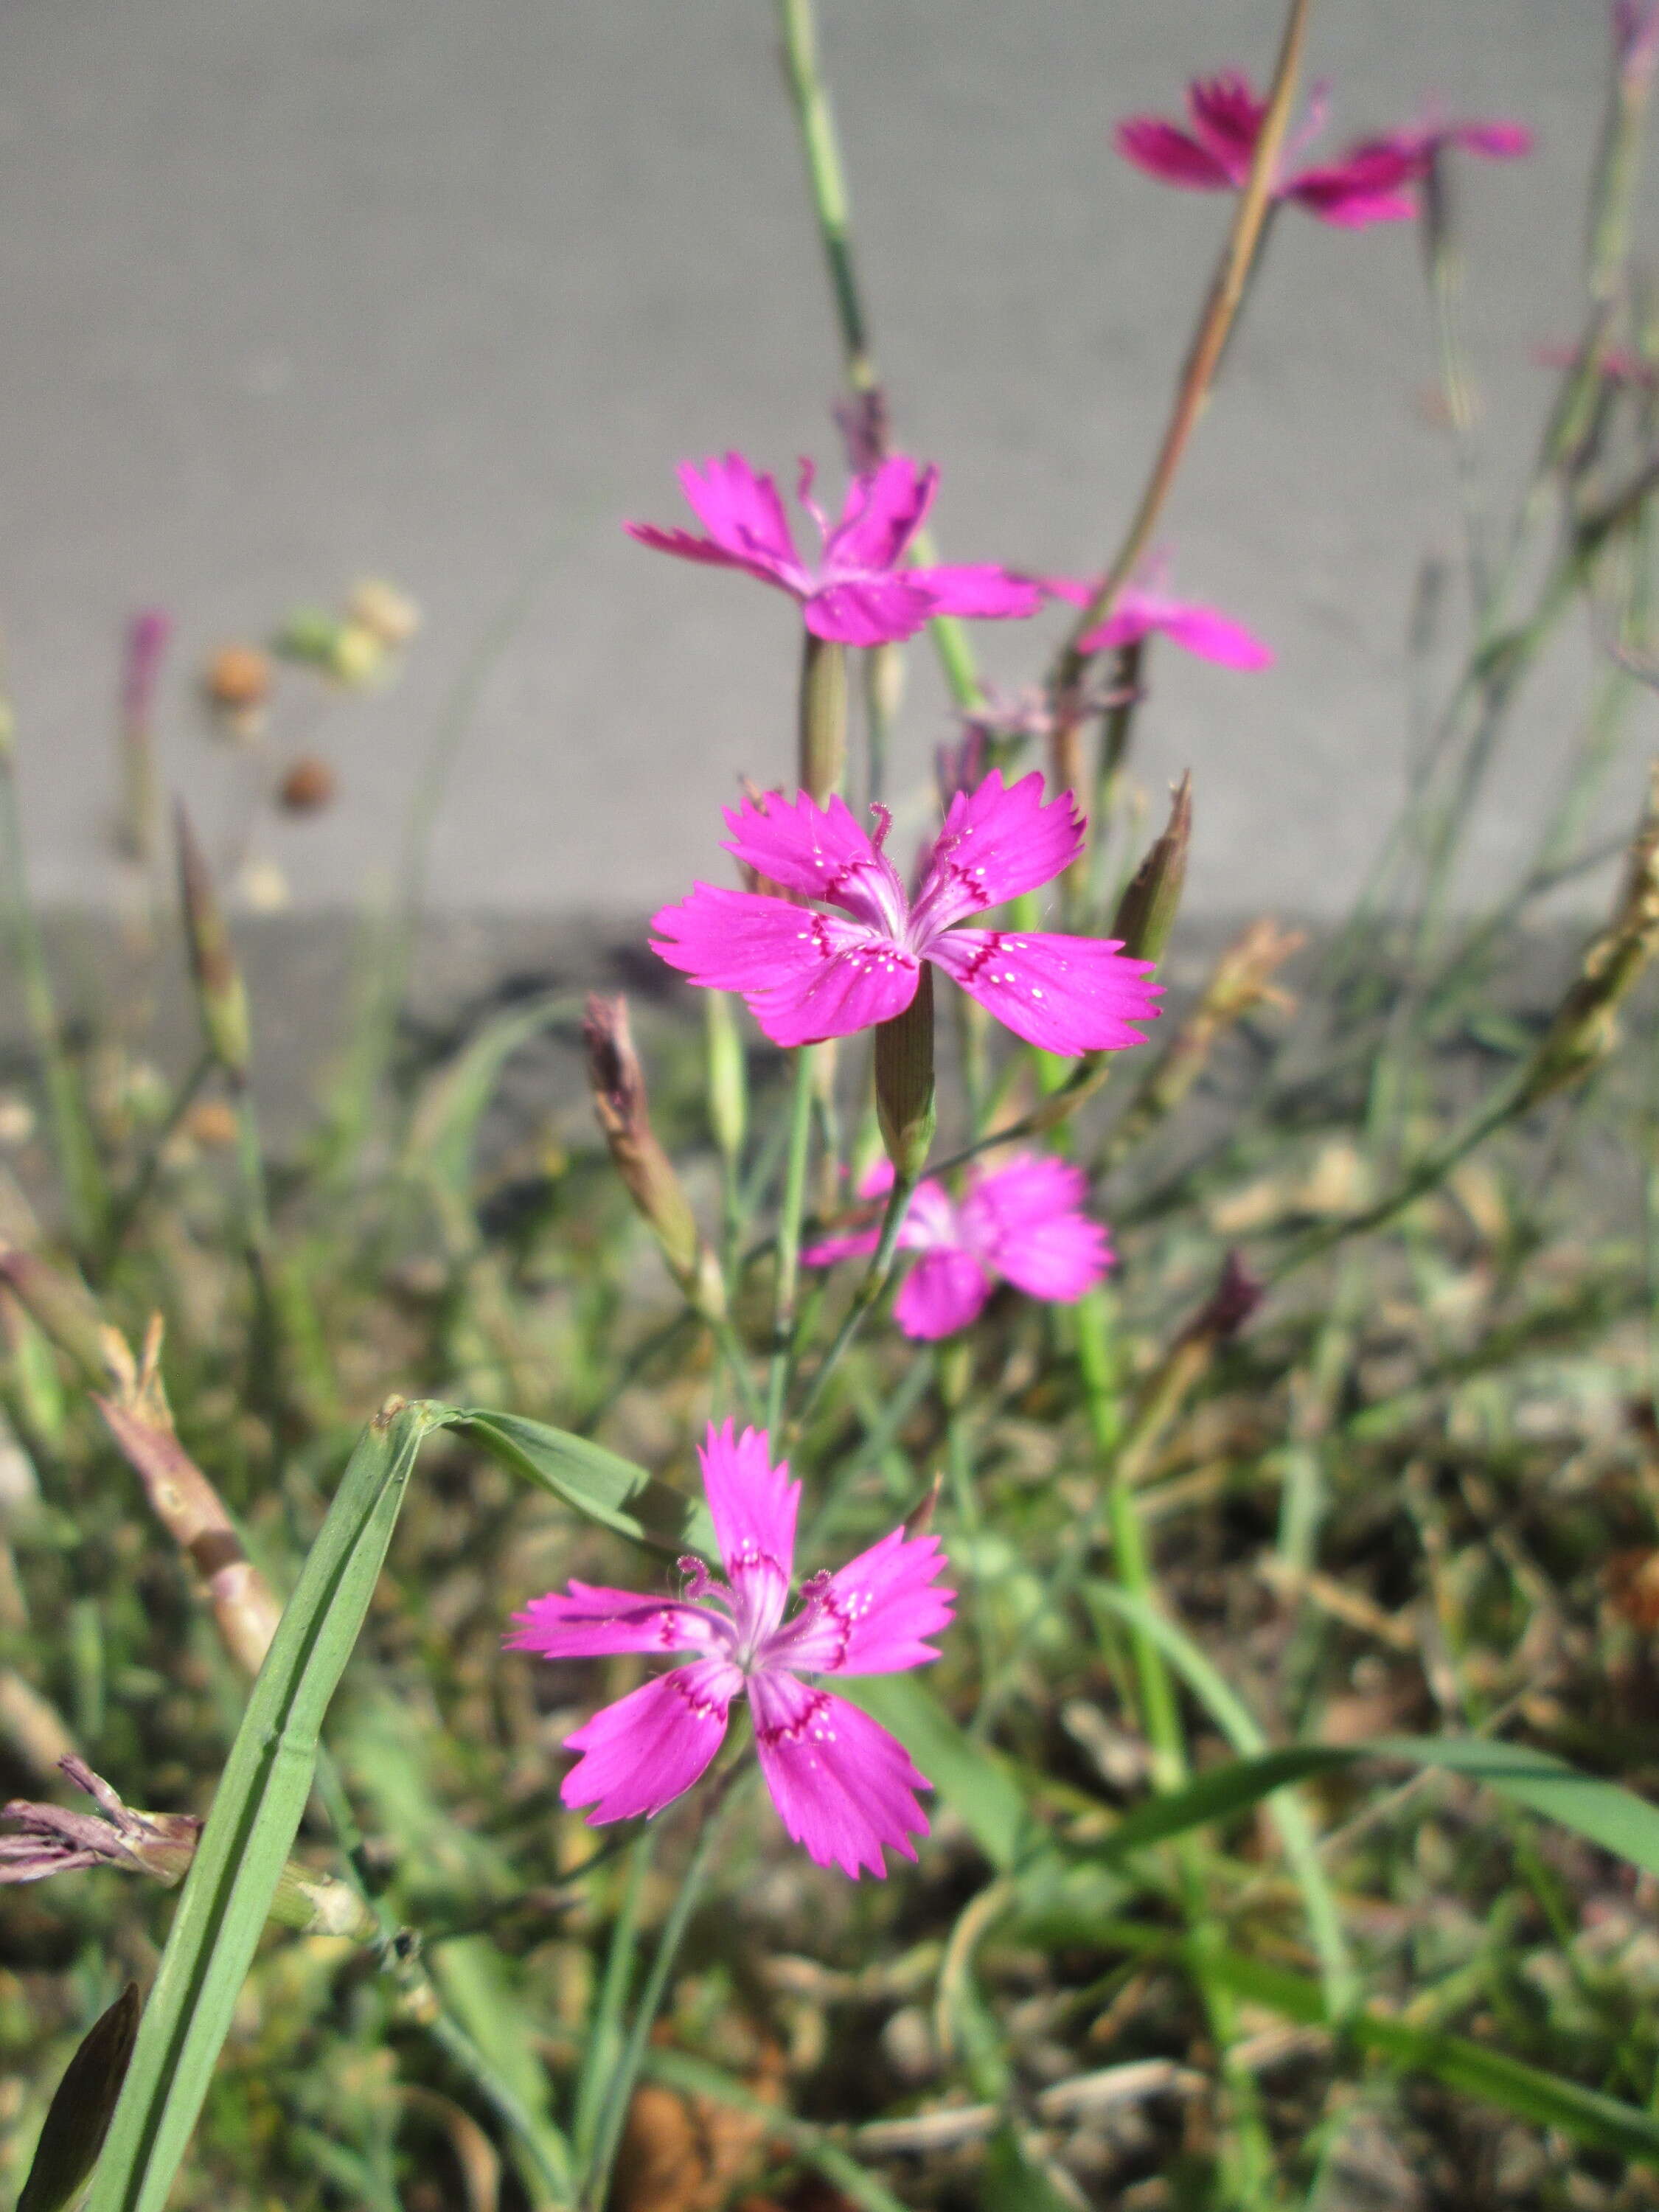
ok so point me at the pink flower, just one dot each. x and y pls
(808, 974)
(1369, 183)
(1022, 1222)
(842, 1786)
(857, 593)
(1141, 608)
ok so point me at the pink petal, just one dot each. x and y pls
(741, 510)
(805, 977)
(1370, 184)
(1497, 141)
(1228, 114)
(1068, 995)
(821, 851)
(1169, 154)
(1186, 622)
(844, 1789)
(883, 511)
(979, 590)
(685, 547)
(829, 1250)
(945, 1291)
(640, 1754)
(880, 611)
(1026, 1221)
(753, 1505)
(591, 1623)
(871, 1617)
(996, 843)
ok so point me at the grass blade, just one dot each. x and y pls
(255, 1812)
(1602, 1811)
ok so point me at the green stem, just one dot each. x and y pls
(84, 1194)
(400, 1955)
(826, 181)
(789, 1243)
(604, 2033)
(127, 1209)
(869, 1289)
(596, 2183)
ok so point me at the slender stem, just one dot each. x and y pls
(1226, 292)
(84, 1197)
(869, 1289)
(789, 1243)
(596, 2182)
(604, 2035)
(400, 1955)
(127, 1208)
(826, 180)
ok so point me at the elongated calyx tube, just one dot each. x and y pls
(617, 1082)
(905, 1104)
(1147, 910)
(221, 998)
(823, 717)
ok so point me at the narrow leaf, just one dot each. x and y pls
(1602, 1811)
(594, 1482)
(78, 2117)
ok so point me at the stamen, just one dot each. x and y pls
(698, 1581)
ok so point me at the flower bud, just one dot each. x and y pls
(905, 1104)
(49, 1839)
(823, 717)
(380, 607)
(147, 640)
(728, 1078)
(1146, 912)
(1586, 1023)
(618, 1085)
(221, 999)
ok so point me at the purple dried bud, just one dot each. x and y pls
(148, 634)
(1229, 1306)
(51, 1839)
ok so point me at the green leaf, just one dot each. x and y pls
(1238, 1724)
(78, 2117)
(256, 1810)
(443, 1129)
(594, 1482)
(1542, 2099)
(1014, 2181)
(975, 1783)
(1602, 1811)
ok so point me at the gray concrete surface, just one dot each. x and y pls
(296, 289)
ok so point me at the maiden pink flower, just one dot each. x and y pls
(808, 974)
(1140, 609)
(1371, 182)
(857, 592)
(843, 1787)
(1368, 184)
(1022, 1222)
